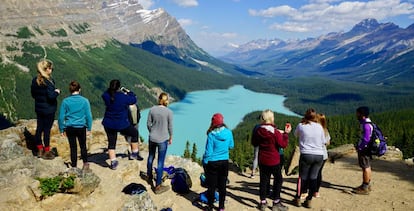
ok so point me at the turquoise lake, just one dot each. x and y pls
(193, 114)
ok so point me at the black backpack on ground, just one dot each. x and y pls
(181, 181)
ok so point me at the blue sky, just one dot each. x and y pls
(214, 25)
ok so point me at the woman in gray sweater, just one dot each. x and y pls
(160, 127)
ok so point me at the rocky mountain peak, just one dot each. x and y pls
(86, 23)
(365, 25)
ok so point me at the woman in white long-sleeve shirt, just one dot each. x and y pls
(311, 144)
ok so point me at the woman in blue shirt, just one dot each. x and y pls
(116, 119)
(216, 159)
(75, 122)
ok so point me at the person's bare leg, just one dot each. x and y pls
(111, 153)
(134, 147)
(366, 175)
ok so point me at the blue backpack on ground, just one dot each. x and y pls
(203, 197)
(181, 181)
(378, 143)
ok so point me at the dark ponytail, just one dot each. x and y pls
(114, 86)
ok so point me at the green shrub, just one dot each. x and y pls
(58, 184)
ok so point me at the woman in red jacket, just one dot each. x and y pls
(269, 139)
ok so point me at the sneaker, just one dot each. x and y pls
(262, 206)
(361, 190)
(307, 204)
(114, 164)
(161, 189)
(316, 195)
(48, 155)
(303, 196)
(135, 156)
(279, 207)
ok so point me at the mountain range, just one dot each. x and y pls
(96, 41)
(370, 52)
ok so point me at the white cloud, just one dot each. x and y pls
(284, 10)
(185, 22)
(332, 15)
(186, 3)
(146, 4)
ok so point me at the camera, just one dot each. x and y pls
(124, 89)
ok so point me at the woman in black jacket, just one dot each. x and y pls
(45, 94)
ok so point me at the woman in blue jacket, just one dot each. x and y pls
(45, 94)
(75, 122)
(117, 102)
(216, 159)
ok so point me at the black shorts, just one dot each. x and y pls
(364, 159)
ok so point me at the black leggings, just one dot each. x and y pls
(265, 173)
(216, 176)
(112, 135)
(44, 125)
(80, 134)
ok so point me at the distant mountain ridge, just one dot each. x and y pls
(85, 24)
(370, 52)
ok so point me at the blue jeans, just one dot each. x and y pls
(162, 151)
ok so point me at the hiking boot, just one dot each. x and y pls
(362, 186)
(279, 207)
(40, 153)
(145, 177)
(361, 190)
(114, 164)
(48, 155)
(307, 203)
(135, 156)
(262, 206)
(161, 189)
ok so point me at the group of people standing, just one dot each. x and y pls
(314, 137)
(75, 122)
(269, 143)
